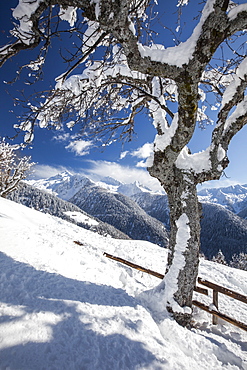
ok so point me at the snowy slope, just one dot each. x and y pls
(121, 212)
(65, 306)
(45, 202)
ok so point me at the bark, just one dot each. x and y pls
(183, 258)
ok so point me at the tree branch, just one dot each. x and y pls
(84, 57)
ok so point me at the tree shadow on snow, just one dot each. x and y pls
(74, 345)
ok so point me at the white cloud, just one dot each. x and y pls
(142, 164)
(123, 174)
(144, 151)
(126, 174)
(100, 169)
(79, 147)
(43, 171)
(61, 137)
(221, 183)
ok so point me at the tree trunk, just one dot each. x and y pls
(184, 245)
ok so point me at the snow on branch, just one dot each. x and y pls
(171, 277)
(68, 14)
(23, 13)
(13, 168)
(237, 80)
(129, 76)
(236, 11)
(236, 120)
(176, 55)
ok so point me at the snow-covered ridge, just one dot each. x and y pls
(66, 306)
(232, 197)
(65, 185)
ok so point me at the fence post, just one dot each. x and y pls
(216, 304)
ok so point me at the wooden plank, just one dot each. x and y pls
(137, 267)
(77, 242)
(223, 290)
(216, 304)
(198, 289)
(220, 315)
(143, 269)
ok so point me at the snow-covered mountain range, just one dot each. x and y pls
(117, 215)
(65, 185)
(49, 203)
(140, 213)
(232, 197)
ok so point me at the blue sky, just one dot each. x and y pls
(53, 152)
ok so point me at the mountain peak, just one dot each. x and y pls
(232, 197)
(132, 189)
(64, 184)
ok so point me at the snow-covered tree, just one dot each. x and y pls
(239, 261)
(116, 70)
(219, 258)
(13, 168)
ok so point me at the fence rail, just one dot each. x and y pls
(220, 315)
(223, 290)
(216, 314)
(137, 267)
(216, 289)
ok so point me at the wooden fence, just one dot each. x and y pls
(216, 289)
(214, 310)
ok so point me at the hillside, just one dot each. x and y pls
(122, 212)
(117, 204)
(101, 200)
(156, 205)
(65, 306)
(221, 229)
(49, 203)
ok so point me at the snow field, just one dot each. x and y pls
(65, 306)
